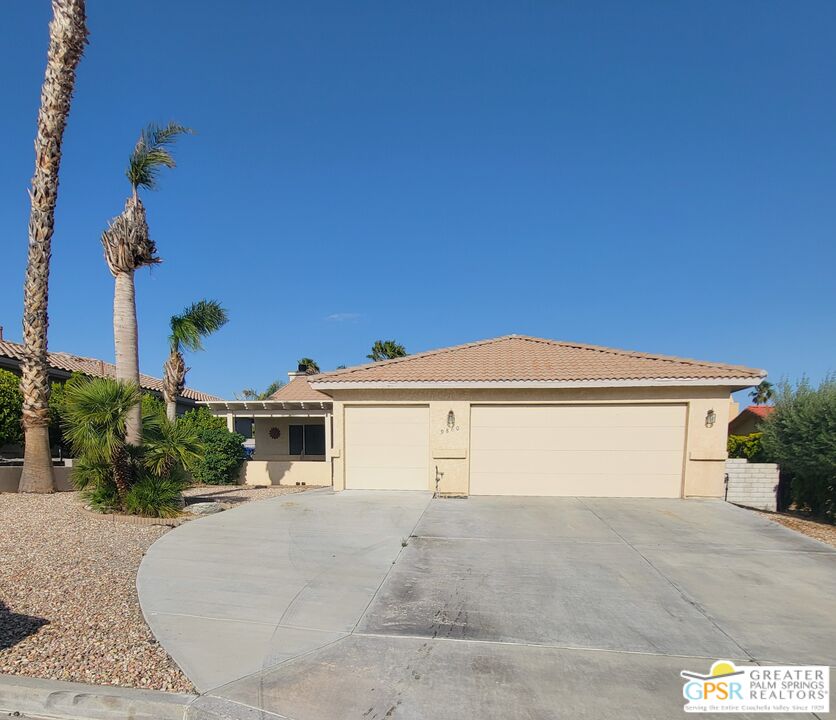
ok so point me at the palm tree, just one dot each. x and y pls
(95, 417)
(188, 329)
(386, 350)
(763, 393)
(253, 394)
(67, 38)
(311, 368)
(128, 246)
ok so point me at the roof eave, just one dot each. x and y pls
(736, 383)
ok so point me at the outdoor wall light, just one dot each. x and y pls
(451, 420)
(710, 418)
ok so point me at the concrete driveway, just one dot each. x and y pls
(310, 607)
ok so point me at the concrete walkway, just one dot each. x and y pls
(308, 607)
(246, 589)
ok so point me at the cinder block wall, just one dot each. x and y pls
(754, 485)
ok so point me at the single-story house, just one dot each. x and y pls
(749, 419)
(513, 415)
(62, 365)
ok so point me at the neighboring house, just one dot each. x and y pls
(749, 419)
(63, 365)
(514, 415)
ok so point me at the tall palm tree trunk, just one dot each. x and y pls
(126, 341)
(174, 380)
(67, 37)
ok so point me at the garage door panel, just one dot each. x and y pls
(578, 439)
(586, 450)
(387, 448)
(576, 416)
(580, 463)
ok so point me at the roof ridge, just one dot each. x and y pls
(634, 353)
(413, 356)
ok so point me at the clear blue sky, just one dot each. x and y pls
(658, 176)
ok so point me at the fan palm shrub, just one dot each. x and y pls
(67, 38)
(96, 420)
(128, 246)
(118, 476)
(188, 330)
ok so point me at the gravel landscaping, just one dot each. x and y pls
(68, 604)
(825, 532)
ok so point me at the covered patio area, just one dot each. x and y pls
(292, 431)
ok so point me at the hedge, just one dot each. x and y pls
(224, 450)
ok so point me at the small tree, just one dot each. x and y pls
(386, 350)
(763, 393)
(801, 436)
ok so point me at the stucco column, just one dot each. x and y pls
(230, 422)
(327, 437)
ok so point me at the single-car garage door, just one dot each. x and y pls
(585, 450)
(387, 448)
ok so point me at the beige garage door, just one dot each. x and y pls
(387, 448)
(585, 450)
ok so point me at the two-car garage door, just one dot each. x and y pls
(585, 450)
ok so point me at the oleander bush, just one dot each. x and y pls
(223, 451)
(801, 436)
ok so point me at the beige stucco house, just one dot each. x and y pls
(514, 415)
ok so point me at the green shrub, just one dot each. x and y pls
(223, 451)
(749, 447)
(152, 496)
(801, 436)
(11, 407)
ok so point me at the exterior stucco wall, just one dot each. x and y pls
(10, 478)
(285, 472)
(268, 448)
(705, 447)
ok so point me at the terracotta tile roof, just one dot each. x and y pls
(94, 368)
(528, 359)
(762, 411)
(299, 389)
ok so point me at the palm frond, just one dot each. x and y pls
(152, 153)
(196, 322)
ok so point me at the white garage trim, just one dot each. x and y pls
(387, 447)
(594, 450)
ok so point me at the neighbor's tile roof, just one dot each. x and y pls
(521, 358)
(93, 368)
(299, 389)
(762, 411)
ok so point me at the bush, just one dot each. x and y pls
(223, 451)
(152, 496)
(801, 436)
(749, 447)
(11, 408)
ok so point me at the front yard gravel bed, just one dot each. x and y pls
(68, 602)
(822, 531)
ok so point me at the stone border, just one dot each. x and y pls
(76, 701)
(137, 519)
